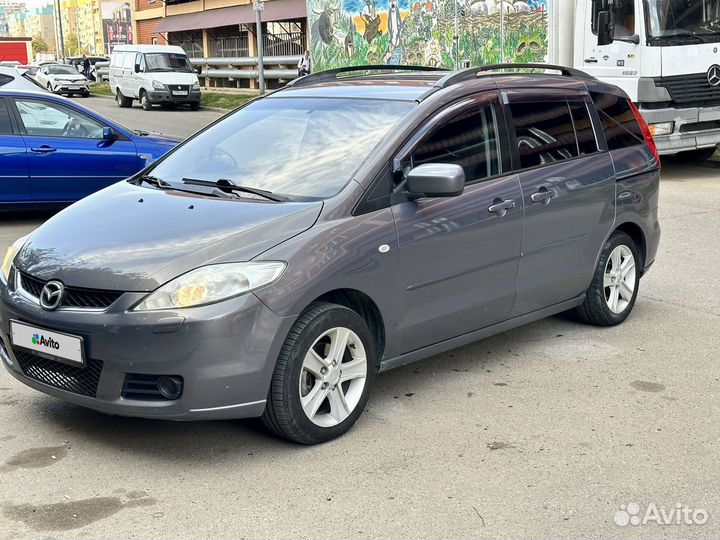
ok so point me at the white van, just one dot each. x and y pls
(153, 74)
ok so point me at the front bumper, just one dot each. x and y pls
(695, 128)
(166, 96)
(224, 352)
(74, 88)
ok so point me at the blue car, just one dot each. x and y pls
(54, 152)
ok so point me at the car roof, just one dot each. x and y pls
(19, 82)
(148, 49)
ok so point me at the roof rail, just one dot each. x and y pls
(472, 73)
(332, 74)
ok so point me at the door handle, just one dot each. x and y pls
(591, 61)
(44, 149)
(501, 206)
(542, 196)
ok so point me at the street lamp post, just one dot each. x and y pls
(258, 7)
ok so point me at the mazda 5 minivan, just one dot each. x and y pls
(355, 221)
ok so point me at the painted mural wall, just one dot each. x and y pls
(356, 32)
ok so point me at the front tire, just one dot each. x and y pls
(145, 101)
(323, 375)
(614, 288)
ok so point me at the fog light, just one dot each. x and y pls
(170, 387)
(662, 128)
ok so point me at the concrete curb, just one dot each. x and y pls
(214, 109)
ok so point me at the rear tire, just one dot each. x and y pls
(614, 288)
(145, 101)
(323, 375)
(122, 101)
(697, 156)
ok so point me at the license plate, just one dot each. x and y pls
(74, 87)
(48, 343)
(179, 93)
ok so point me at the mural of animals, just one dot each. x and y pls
(360, 32)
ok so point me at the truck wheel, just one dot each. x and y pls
(145, 101)
(614, 288)
(697, 156)
(122, 101)
(323, 375)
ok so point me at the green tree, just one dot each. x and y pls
(71, 45)
(39, 45)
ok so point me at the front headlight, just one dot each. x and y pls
(10, 256)
(211, 284)
(158, 85)
(196, 86)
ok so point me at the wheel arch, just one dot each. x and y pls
(634, 231)
(364, 306)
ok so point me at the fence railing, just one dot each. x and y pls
(229, 47)
(292, 43)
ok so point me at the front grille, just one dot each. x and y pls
(700, 126)
(79, 380)
(74, 297)
(690, 90)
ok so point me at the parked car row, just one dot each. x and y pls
(276, 261)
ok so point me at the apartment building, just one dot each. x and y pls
(7, 9)
(41, 22)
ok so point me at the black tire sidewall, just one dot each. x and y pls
(295, 349)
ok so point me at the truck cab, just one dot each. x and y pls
(666, 55)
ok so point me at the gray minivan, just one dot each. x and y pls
(355, 221)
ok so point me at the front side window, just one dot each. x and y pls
(298, 147)
(544, 132)
(45, 119)
(156, 62)
(623, 17)
(470, 139)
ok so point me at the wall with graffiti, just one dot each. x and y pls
(432, 32)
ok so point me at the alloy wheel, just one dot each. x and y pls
(619, 279)
(333, 377)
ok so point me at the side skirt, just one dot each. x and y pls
(459, 341)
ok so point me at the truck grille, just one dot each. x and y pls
(74, 297)
(75, 379)
(690, 90)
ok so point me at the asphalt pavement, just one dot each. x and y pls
(552, 430)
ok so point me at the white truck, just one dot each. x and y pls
(664, 53)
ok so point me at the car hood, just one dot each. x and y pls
(174, 77)
(135, 238)
(68, 77)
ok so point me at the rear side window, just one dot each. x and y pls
(544, 132)
(587, 144)
(4, 79)
(469, 139)
(618, 121)
(5, 126)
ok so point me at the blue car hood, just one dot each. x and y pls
(135, 238)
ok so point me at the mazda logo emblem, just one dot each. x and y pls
(52, 295)
(713, 75)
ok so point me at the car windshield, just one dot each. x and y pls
(299, 147)
(676, 18)
(167, 62)
(62, 70)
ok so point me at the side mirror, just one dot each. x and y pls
(604, 28)
(137, 68)
(437, 180)
(108, 134)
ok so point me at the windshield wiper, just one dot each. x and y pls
(153, 181)
(229, 186)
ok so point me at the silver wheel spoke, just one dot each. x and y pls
(614, 299)
(607, 280)
(627, 265)
(311, 403)
(314, 363)
(615, 256)
(353, 370)
(338, 345)
(625, 291)
(338, 406)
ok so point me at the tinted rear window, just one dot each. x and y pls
(4, 79)
(587, 144)
(618, 121)
(544, 133)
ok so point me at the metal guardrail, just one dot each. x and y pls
(232, 67)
